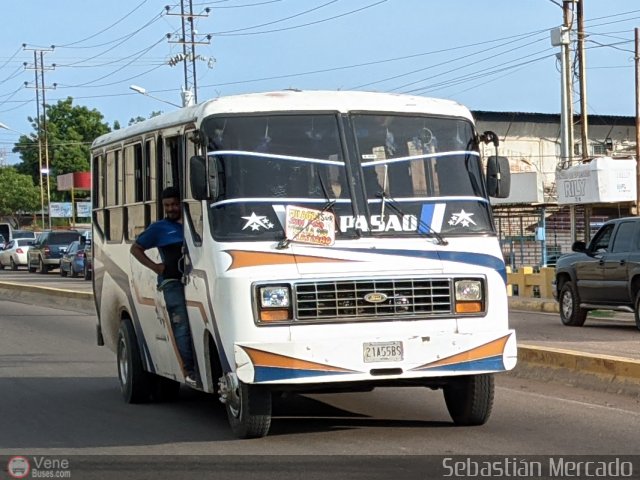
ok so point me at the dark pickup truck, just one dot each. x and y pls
(603, 275)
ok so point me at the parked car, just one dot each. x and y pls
(88, 261)
(15, 253)
(23, 234)
(603, 275)
(73, 259)
(45, 253)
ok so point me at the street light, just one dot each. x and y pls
(42, 172)
(143, 91)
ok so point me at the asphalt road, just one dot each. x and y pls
(51, 279)
(59, 396)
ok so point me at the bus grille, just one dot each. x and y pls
(345, 299)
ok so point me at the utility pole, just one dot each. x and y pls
(584, 123)
(584, 131)
(568, 74)
(637, 61)
(44, 169)
(189, 42)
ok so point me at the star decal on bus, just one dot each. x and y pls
(461, 218)
(256, 222)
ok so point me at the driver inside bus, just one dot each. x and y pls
(167, 235)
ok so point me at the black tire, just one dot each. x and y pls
(570, 312)
(250, 413)
(469, 399)
(29, 267)
(1, 266)
(72, 271)
(87, 273)
(636, 310)
(13, 265)
(136, 385)
(63, 272)
(42, 268)
(165, 389)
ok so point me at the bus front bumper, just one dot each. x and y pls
(371, 359)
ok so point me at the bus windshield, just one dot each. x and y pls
(267, 162)
(409, 165)
(412, 165)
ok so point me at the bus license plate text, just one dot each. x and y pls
(382, 352)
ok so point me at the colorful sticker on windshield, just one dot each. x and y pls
(431, 217)
(307, 225)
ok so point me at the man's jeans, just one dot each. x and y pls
(177, 308)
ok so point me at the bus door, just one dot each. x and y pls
(198, 273)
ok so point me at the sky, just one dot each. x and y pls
(491, 55)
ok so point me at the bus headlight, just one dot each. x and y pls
(469, 296)
(274, 303)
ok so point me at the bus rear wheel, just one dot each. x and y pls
(248, 407)
(136, 385)
(469, 399)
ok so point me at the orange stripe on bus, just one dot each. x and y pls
(261, 358)
(491, 349)
(244, 258)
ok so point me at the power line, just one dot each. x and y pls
(238, 6)
(303, 25)
(279, 20)
(491, 55)
(124, 40)
(68, 45)
(142, 52)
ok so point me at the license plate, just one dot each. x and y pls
(382, 352)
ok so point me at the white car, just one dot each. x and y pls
(15, 253)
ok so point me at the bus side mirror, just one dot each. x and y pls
(204, 186)
(498, 177)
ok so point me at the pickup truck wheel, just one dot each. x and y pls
(570, 312)
(42, 268)
(636, 310)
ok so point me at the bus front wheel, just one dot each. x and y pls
(469, 399)
(248, 407)
(135, 383)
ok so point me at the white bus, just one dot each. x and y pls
(334, 241)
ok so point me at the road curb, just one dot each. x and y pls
(548, 305)
(594, 371)
(48, 296)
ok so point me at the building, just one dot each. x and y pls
(534, 227)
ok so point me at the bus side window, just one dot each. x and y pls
(193, 208)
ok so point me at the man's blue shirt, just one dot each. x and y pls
(167, 236)
(160, 234)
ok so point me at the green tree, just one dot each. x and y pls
(19, 194)
(70, 131)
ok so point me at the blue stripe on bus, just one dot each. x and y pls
(266, 374)
(480, 259)
(490, 363)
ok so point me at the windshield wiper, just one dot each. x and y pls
(393, 205)
(284, 243)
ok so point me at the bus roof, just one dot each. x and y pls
(292, 100)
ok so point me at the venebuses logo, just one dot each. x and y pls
(18, 467)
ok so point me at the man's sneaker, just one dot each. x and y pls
(191, 381)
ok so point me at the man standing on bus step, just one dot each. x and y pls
(168, 235)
